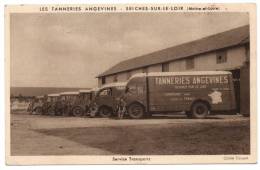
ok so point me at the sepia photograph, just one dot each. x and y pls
(130, 84)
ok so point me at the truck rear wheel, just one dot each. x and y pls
(77, 112)
(105, 111)
(136, 111)
(199, 110)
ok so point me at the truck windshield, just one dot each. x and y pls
(105, 92)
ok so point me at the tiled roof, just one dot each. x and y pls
(222, 40)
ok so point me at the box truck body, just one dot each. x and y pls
(179, 91)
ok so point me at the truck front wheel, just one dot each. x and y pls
(105, 111)
(199, 110)
(136, 111)
(77, 112)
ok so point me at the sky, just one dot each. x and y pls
(70, 50)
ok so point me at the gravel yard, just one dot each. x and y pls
(159, 135)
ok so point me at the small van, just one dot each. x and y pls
(196, 93)
(106, 98)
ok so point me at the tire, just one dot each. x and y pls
(38, 110)
(199, 110)
(136, 111)
(105, 111)
(77, 111)
(51, 111)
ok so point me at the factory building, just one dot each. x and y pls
(227, 50)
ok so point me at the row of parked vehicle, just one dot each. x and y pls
(93, 102)
(195, 93)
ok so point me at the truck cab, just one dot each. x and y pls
(106, 98)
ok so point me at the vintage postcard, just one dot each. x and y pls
(130, 84)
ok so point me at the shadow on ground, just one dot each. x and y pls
(167, 139)
(170, 116)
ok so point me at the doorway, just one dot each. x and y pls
(236, 82)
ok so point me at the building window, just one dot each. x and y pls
(115, 78)
(221, 57)
(144, 70)
(129, 74)
(103, 80)
(190, 63)
(165, 67)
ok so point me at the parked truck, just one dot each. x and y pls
(69, 100)
(75, 103)
(81, 106)
(49, 104)
(195, 93)
(35, 106)
(106, 99)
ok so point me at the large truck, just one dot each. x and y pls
(75, 103)
(81, 106)
(68, 101)
(195, 93)
(107, 98)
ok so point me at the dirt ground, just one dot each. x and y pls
(159, 135)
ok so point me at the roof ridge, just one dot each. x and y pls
(188, 42)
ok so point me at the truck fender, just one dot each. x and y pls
(82, 107)
(104, 106)
(35, 109)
